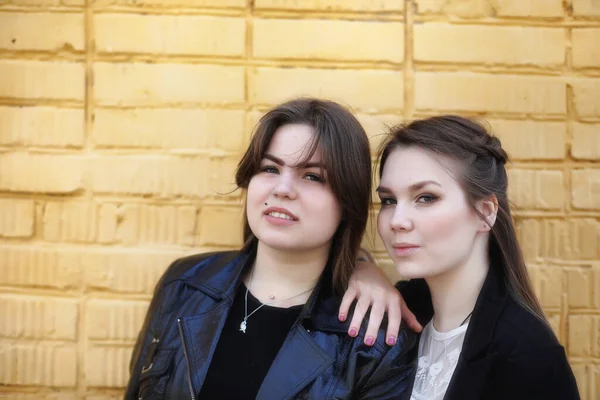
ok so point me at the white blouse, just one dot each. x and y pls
(438, 355)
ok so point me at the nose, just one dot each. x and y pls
(284, 188)
(401, 219)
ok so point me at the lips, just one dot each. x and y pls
(405, 249)
(280, 212)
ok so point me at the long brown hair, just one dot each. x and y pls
(346, 155)
(483, 175)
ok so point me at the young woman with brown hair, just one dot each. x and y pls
(445, 222)
(262, 322)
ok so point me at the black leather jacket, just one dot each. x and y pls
(318, 360)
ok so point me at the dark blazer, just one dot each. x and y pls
(507, 354)
(318, 360)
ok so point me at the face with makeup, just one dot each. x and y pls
(290, 205)
(425, 221)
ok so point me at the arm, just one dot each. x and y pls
(545, 374)
(371, 287)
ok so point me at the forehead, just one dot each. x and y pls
(408, 165)
(292, 143)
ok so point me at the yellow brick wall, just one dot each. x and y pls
(121, 122)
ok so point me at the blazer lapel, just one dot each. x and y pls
(476, 360)
(299, 361)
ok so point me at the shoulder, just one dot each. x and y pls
(186, 267)
(520, 333)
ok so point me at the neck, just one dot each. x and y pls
(278, 275)
(454, 293)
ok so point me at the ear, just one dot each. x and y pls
(488, 210)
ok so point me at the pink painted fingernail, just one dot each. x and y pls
(369, 341)
(342, 317)
(353, 332)
(391, 341)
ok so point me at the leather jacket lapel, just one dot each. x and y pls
(200, 335)
(299, 361)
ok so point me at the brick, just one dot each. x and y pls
(151, 224)
(584, 335)
(150, 175)
(330, 5)
(115, 319)
(48, 3)
(222, 178)
(366, 90)
(24, 172)
(38, 317)
(575, 239)
(492, 8)
(170, 128)
(586, 8)
(585, 192)
(531, 140)
(16, 217)
(107, 224)
(586, 141)
(582, 375)
(163, 84)
(548, 286)
(64, 31)
(533, 189)
(554, 321)
(126, 271)
(443, 42)
(107, 367)
(38, 365)
(45, 396)
(31, 266)
(377, 127)
(585, 47)
(42, 80)
(41, 126)
(580, 288)
(171, 3)
(474, 92)
(70, 221)
(587, 101)
(167, 35)
(220, 226)
(328, 39)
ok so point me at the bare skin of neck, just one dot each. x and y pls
(278, 275)
(454, 293)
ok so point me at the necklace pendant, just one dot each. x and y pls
(243, 326)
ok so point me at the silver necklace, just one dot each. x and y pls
(243, 324)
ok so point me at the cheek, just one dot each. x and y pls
(448, 225)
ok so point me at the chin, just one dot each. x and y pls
(409, 270)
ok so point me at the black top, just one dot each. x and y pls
(241, 360)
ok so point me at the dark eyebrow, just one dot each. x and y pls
(413, 187)
(276, 160)
(280, 162)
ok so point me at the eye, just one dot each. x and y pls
(269, 169)
(314, 177)
(427, 198)
(388, 201)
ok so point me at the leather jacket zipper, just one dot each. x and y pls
(187, 360)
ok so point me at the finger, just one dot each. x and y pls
(409, 318)
(375, 319)
(347, 300)
(394, 313)
(362, 306)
